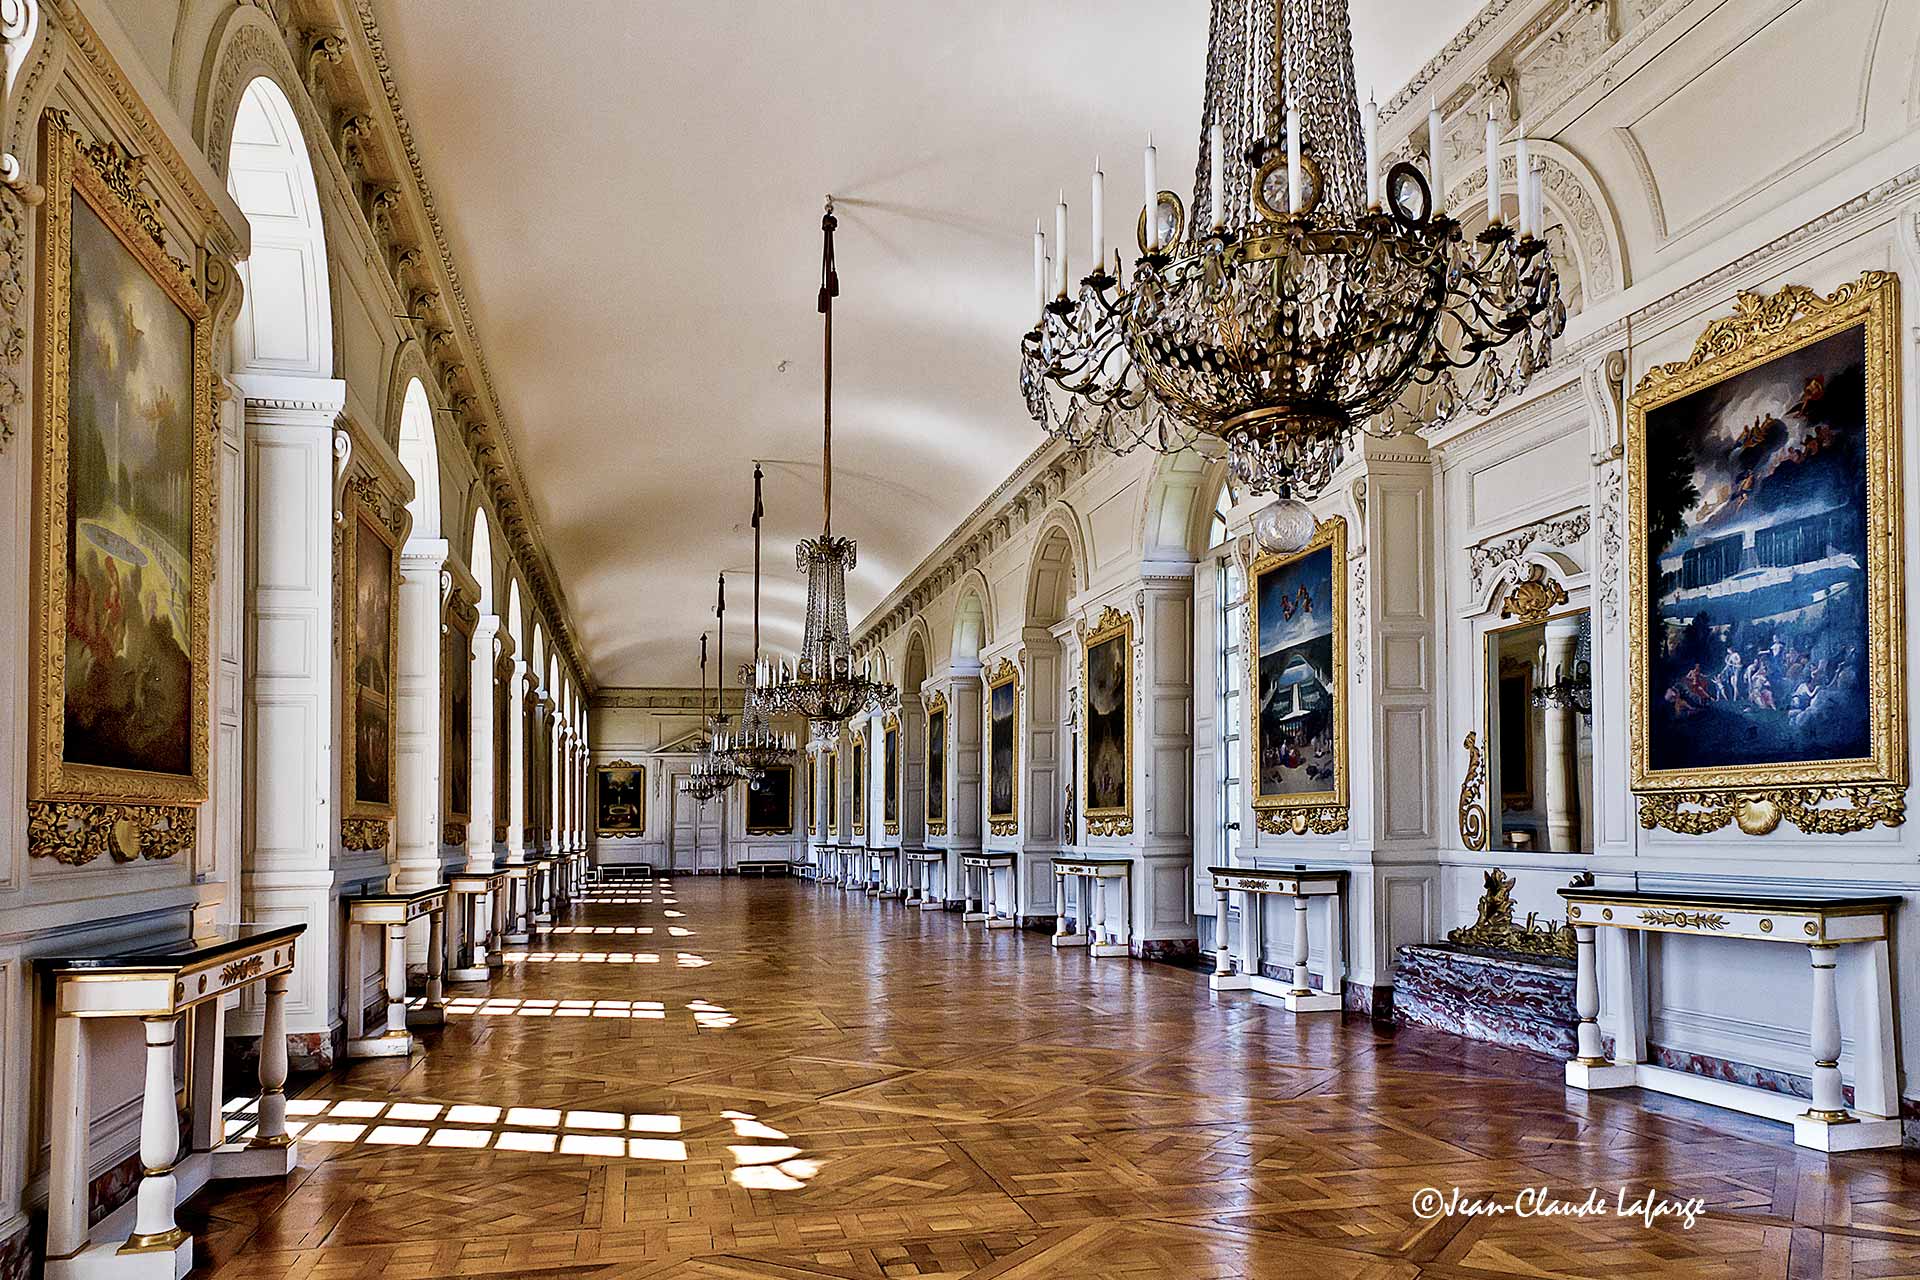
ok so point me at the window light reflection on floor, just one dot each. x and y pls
(765, 1163)
(706, 1015)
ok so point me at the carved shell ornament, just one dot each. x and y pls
(1533, 597)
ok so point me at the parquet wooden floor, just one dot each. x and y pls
(726, 1079)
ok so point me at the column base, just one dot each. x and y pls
(427, 1015)
(892, 893)
(1001, 922)
(389, 1045)
(519, 939)
(932, 904)
(1853, 1134)
(1314, 1003)
(1068, 939)
(241, 1160)
(105, 1261)
(1108, 949)
(973, 917)
(1610, 1075)
(1229, 982)
(480, 974)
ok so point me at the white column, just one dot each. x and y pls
(418, 735)
(480, 744)
(552, 711)
(517, 762)
(292, 772)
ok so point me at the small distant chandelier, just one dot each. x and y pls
(1305, 292)
(1568, 687)
(825, 683)
(712, 773)
(756, 748)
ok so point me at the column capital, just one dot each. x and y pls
(294, 397)
(424, 555)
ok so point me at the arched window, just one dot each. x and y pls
(285, 323)
(421, 460)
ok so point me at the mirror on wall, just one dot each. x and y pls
(1540, 735)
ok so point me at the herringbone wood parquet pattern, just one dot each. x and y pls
(817, 1086)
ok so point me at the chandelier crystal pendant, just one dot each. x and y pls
(825, 684)
(756, 747)
(1307, 295)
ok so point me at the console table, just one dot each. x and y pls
(983, 871)
(1254, 885)
(392, 913)
(1094, 932)
(518, 912)
(1860, 927)
(543, 878)
(164, 987)
(885, 863)
(922, 863)
(479, 913)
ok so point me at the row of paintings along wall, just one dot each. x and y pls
(1660, 592)
(644, 744)
(212, 524)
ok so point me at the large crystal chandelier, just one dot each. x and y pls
(756, 748)
(825, 683)
(1306, 296)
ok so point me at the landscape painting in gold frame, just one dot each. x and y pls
(369, 626)
(1764, 578)
(620, 799)
(1106, 719)
(1297, 676)
(124, 529)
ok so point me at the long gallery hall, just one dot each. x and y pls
(868, 639)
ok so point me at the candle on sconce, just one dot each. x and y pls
(1099, 202)
(1216, 148)
(1295, 191)
(1060, 248)
(1370, 118)
(1040, 264)
(1522, 171)
(1536, 187)
(1436, 148)
(1493, 169)
(1152, 166)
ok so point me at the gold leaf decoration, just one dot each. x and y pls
(76, 832)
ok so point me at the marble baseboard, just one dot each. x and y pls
(1375, 1002)
(1173, 949)
(1511, 1001)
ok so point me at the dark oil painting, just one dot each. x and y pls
(1756, 513)
(130, 501)
(770, 805)
(1297, 739)
(1000, 744)
(622, 801)
(937, 766)
(457, 671)
(1108, 759)
(372, 674)
(890, 788)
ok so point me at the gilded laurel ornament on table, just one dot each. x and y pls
(1765, 607)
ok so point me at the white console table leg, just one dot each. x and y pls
(68, 1126)
(271, 1129)
(1623, 981)
(1059, 904)
(1222, 952)
(1875, 1086)
(154, 1229)
(434, 1010)
(396, 976)
(1829, 1100)
(1300, 987)
(1589, 1068)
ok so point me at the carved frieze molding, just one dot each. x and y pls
(1325, 820)
(1814, 810)
(1503, 558)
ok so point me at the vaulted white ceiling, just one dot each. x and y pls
(633, 191)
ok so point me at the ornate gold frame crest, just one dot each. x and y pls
(937, 709)
(1827, 797)
(639, 828)
(1110, 820)
(896, 778)
(364, 824)
(859, 768)
(77, 812)
(762, 830)
(1318, 812)
(1008, 823)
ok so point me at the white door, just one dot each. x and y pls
(683, 847)
(710, 839)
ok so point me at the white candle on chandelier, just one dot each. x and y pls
(1370, 115)
(1060, 248)
(1436, 146)
(1216, 154)
(1040, 264)
(1099, 202)
(1493, 169)
(1295, 191)
(1536, 185)
(1152, 206)
(1522, 174)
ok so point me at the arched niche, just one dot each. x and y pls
(1056, 569)
(480, 559)
(1178, 509)
(421, 458)
(285, 325)
(972, 621)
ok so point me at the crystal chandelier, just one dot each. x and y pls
(712, 773)
(756, 748)
(825, 683)
(1305, 293)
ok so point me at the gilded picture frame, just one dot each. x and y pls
(833, 793)
(1280, 601)
(456, 720)
(767, 812)
(502, 752)
(936, 746)
(893, 764)
(95, 786)
(1741, 357)
(369, 650)
(1003, 721)
(812, 802)
(620, 799)
(857, 763)
(1106, 651)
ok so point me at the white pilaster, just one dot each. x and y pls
(418, 734)
(480, 791)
